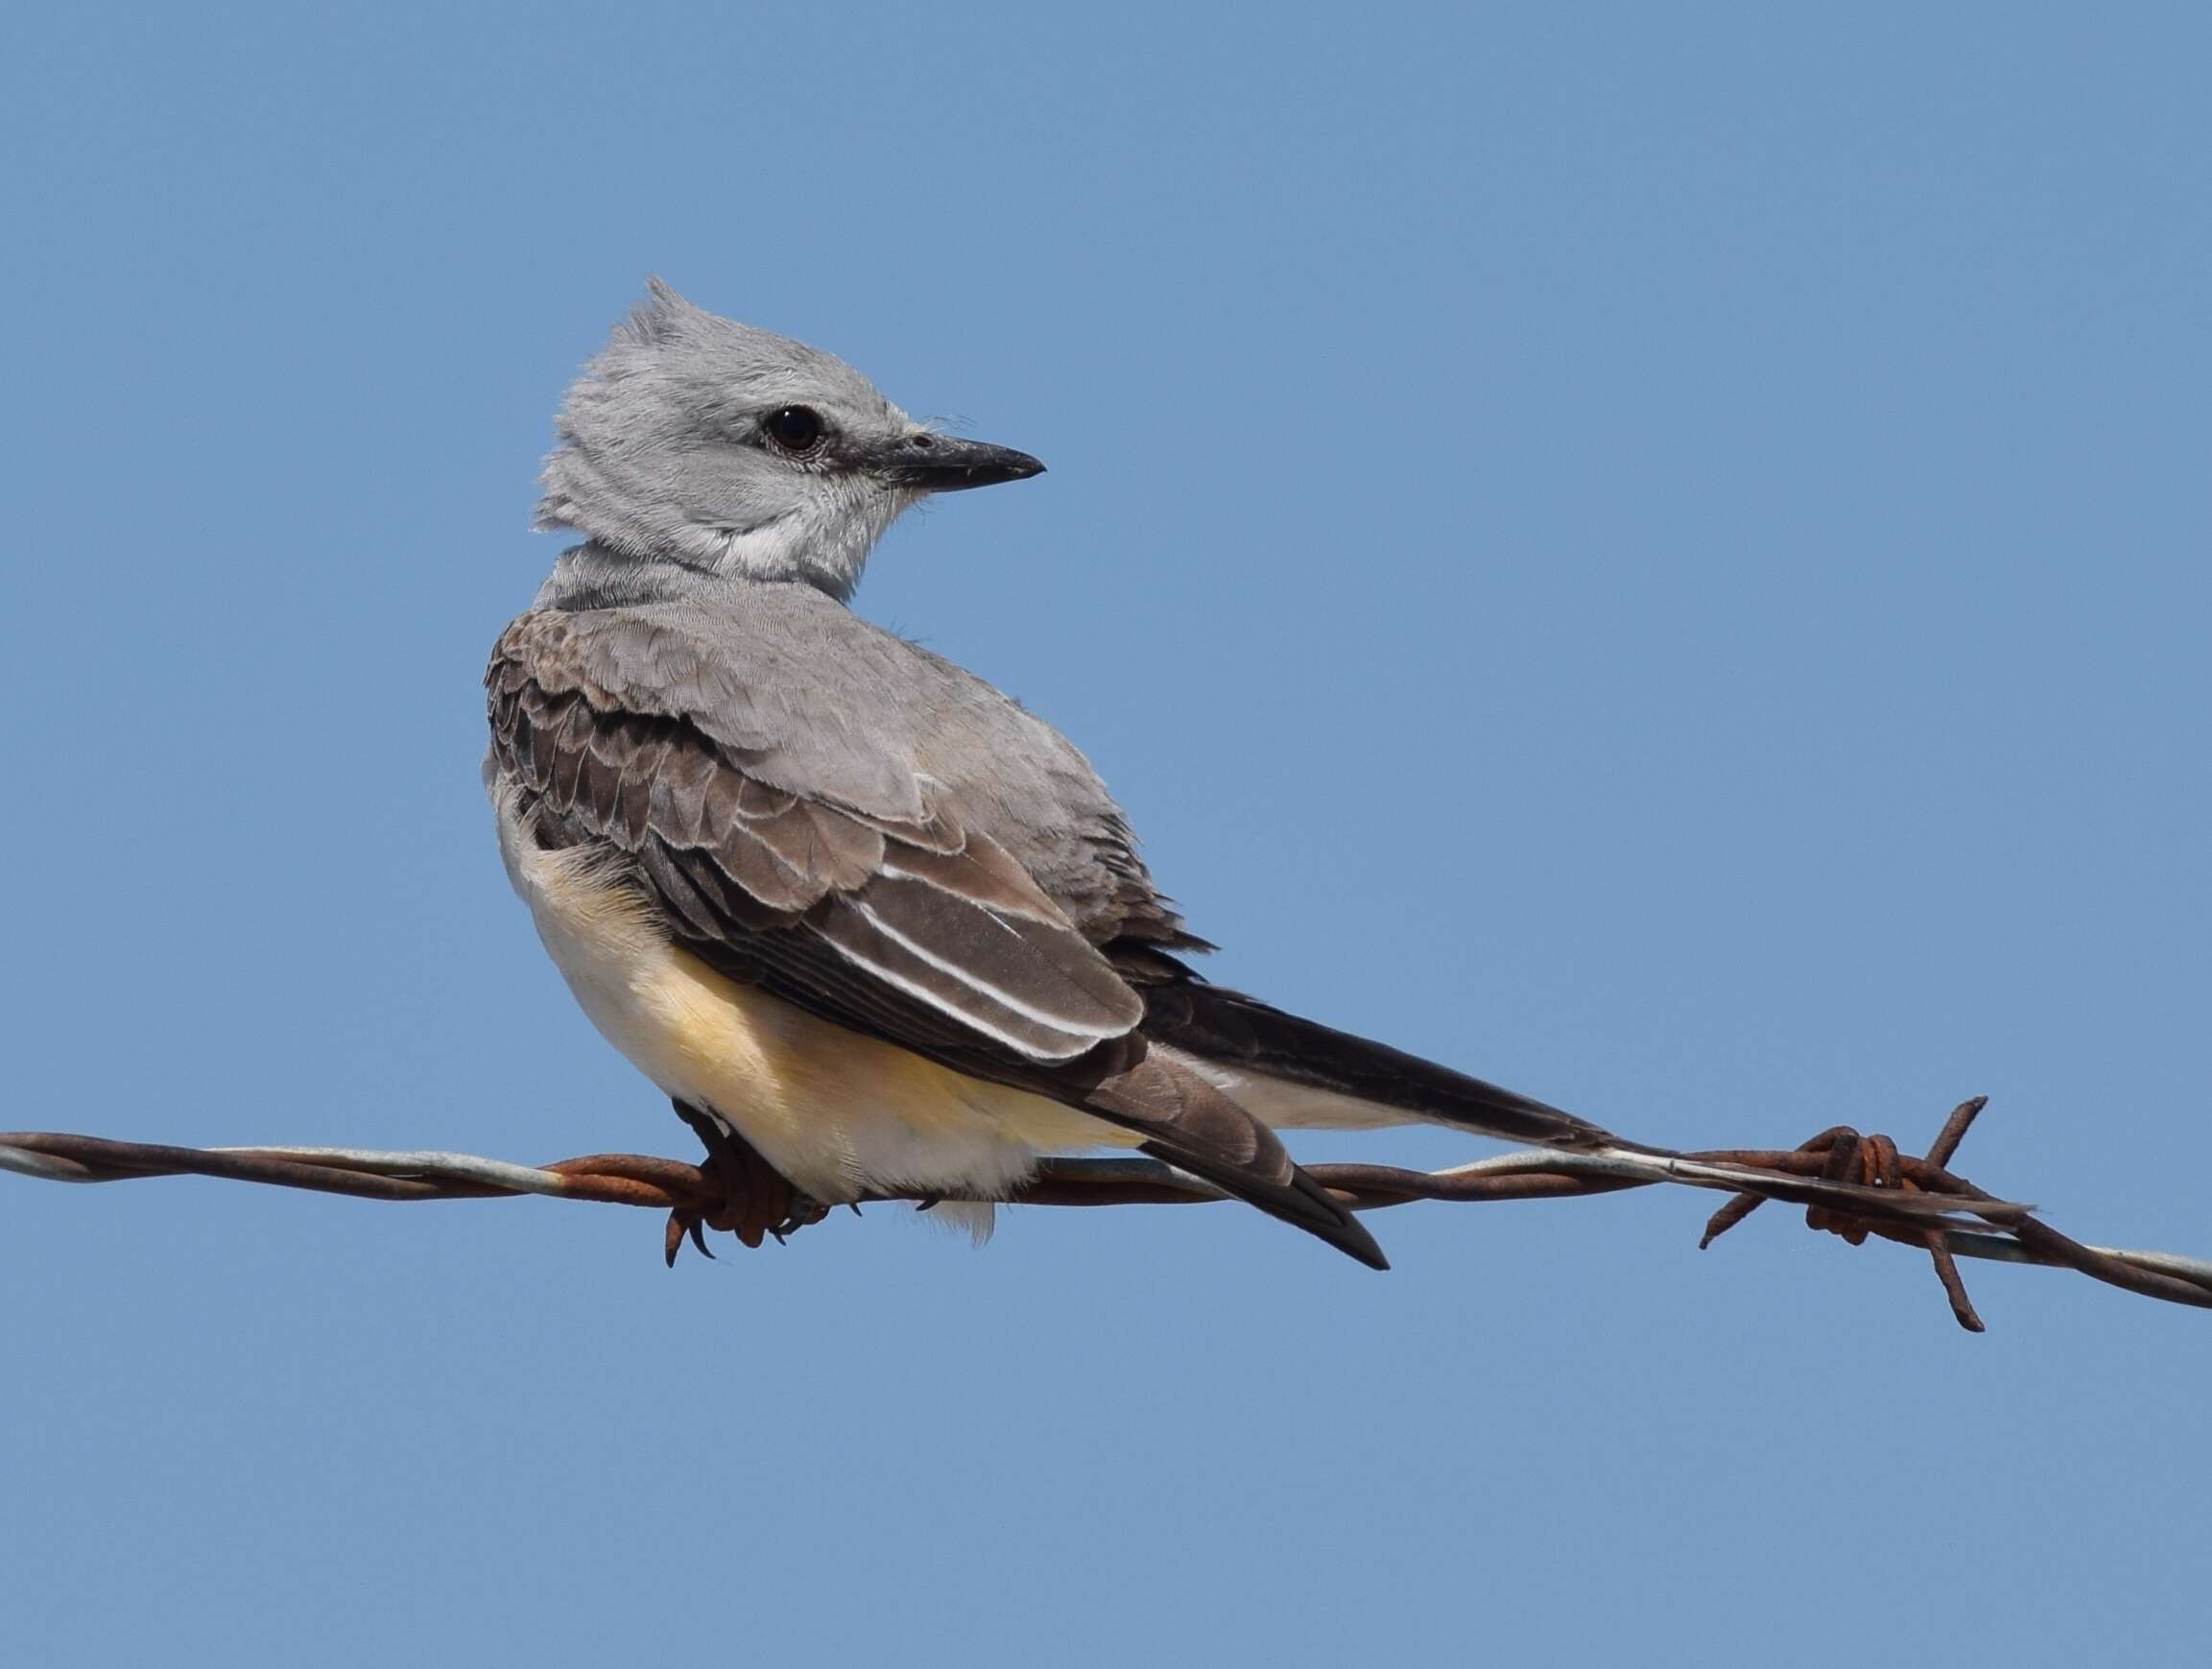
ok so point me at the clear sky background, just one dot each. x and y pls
(1656, 554)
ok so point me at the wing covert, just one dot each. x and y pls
(917, 927)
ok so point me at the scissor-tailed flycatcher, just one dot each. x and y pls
(830, 891)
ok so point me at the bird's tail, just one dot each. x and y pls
(1298, 1073)
(1188, 1122)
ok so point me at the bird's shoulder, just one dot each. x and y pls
(787, 686)
(781, 681)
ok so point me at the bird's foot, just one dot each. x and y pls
(758, 1200)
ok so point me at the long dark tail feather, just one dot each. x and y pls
(1300, 1201)
(1190, 1124)
(1229, 1029)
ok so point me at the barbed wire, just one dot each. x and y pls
(1858, 1186)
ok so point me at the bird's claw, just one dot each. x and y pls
(684, 1222)
(804, 1211)
(757, 1201)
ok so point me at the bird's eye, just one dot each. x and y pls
(794, 428)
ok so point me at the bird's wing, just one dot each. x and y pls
(916, 925)
(902, 921)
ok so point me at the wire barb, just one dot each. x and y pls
(1852, 1186)
(1874, 1162)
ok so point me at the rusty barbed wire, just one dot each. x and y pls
(1857, 1186)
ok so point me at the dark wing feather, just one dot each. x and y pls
(1189, 1123)
(958, 931)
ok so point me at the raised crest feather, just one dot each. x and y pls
(658, 316)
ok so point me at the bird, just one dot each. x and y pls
(873, 927)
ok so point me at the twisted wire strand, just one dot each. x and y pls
(1851, 1185)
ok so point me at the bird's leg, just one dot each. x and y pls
(758, 1200)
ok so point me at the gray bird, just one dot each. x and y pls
(854, 911)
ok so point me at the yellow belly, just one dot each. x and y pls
(836, 1112)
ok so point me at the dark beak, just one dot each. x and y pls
(926, 463)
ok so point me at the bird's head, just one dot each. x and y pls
(699, 441)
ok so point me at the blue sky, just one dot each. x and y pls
(1658, 556)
